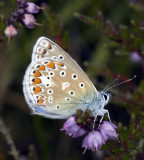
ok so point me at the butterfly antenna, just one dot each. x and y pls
(120, 83)
(111, 83)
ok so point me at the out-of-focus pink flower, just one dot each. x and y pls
(32, 8)
(29, 21)
(72, 129)
(10, 31)
(93, 141)
(21, 11)
(108, 130)
(22, 1)
(135, 57)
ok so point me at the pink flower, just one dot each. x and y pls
(29, 21)
(10, 31)
(93, 141)
(135, 57)
(32, 8)
(108, 130)
(72, 129)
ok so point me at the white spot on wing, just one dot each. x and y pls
(81, 85)
(62, 73)
(71, 93)
(54, 57)
(65, 85)
(39, 49)
(74, 76)
(44, 43)
(50, 91)
(67, 99)
(61, 57)
(51, 73)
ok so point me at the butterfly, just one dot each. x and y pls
(56, 87)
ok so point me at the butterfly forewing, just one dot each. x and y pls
(56, 86)
(45, 48)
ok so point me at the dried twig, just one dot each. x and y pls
(10, 142)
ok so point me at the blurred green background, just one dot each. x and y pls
(38, 138)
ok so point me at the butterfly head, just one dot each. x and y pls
(105, 97)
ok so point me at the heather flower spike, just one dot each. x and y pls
(32, 8)
(10, 31)
(29, 21)
(82, 123)
(72, 129)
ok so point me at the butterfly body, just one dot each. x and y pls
(55, 86)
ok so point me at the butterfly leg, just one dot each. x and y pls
(106, 111)
(102, 114)
(94, 121)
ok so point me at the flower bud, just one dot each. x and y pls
(29, 21)
(32, 8)
(135, 57)
(10, 31)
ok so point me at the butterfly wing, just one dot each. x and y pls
(54, 85)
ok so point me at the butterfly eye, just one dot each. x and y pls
(105, 97)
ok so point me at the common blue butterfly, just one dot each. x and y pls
(55, 86)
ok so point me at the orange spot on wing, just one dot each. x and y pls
(60, 64)
(40, 101)
(36, 81)
(42, 67)
(37, 90)
(49, 46)
(37, 74)
(43, 51)
(51, 65)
